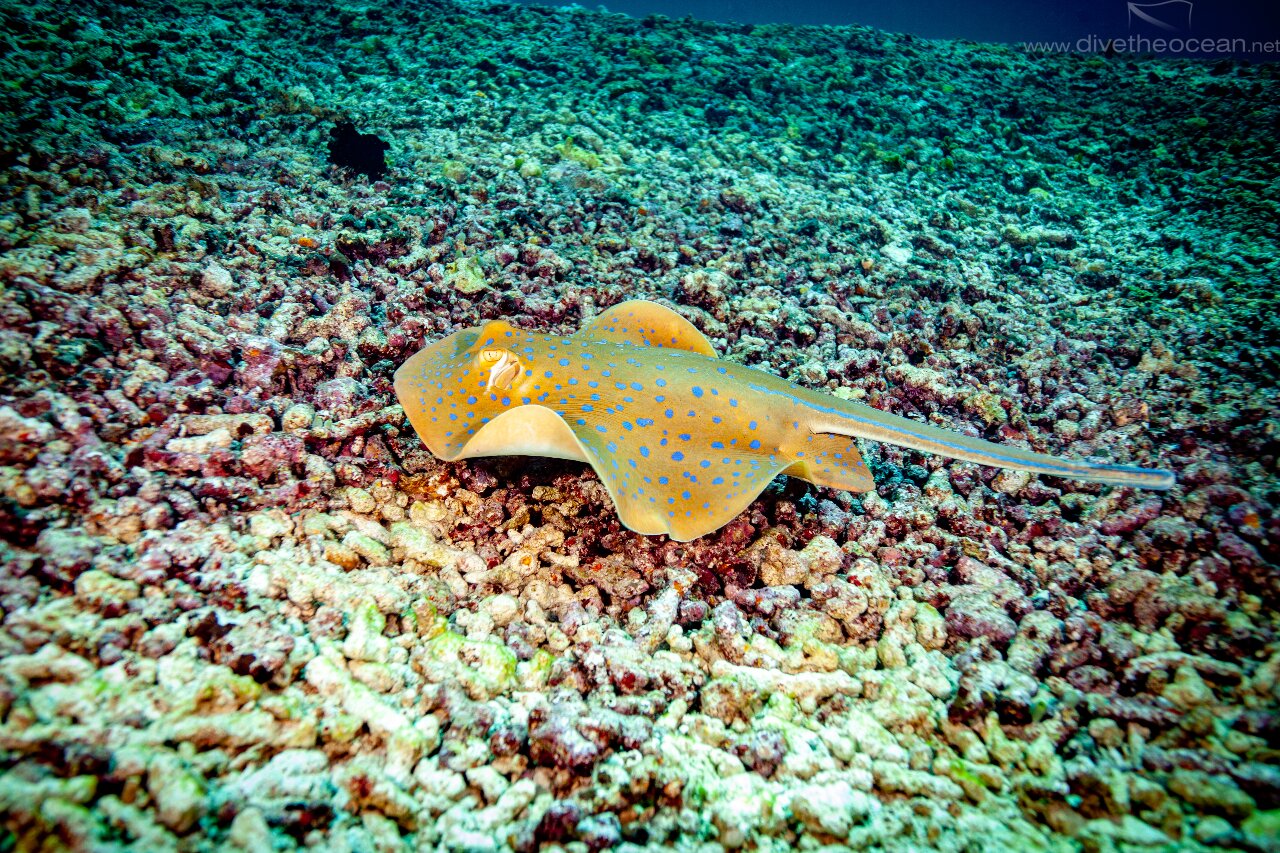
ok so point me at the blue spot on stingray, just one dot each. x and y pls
(685, 495)
(754, 445)
(471, 401)
(564, 362)
(677, 456)
(669, 413)
(601, 428)
(751, 425)
(717, 481)
(644, 451)
(548, 374)
(704, 464)
(587, 407)
(715, 419)
(663, 480)
(684, 436)
(660, 382)
(644, 422)
(626, 425)
(581, 422)
(593, 384)
(718, 445)
(697, 392)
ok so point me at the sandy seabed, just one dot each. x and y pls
(244, 608)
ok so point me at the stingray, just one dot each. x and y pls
(682, 440)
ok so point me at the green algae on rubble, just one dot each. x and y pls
(244, 609)
(484, 668)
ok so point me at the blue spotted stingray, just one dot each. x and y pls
(682, 441)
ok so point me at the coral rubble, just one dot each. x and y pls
(244, 608)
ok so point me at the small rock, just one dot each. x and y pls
(271, 524)
(98, 588)
(1188, 690)
(1262, 829)
(1011, 482)
(207, 443)
(782, 567)
(1217, 794)
(1214, 830)
(373, 551)
(216, 281)
(974, 616)
(364, 634)
(339, 396)
(361, 501)
(298, 416)
(249, 832)
(502, 608)
(466, 276)
(600, 832)
(178, 794)
(900, 255)
(340, 554)
(73, 220)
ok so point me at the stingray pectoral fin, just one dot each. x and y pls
(825, 459)
(657, 490)
(647, 324)
(711, 520)
(525, 431)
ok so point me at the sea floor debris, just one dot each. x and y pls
(244, 608)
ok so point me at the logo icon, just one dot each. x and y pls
(1172, 16)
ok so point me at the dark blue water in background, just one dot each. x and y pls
(1251, 30)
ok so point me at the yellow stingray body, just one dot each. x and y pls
(682, 441)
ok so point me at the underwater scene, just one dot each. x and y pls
(456, 426)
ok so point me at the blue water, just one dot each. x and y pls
(1250, 30)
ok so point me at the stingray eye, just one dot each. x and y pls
(503, 367)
